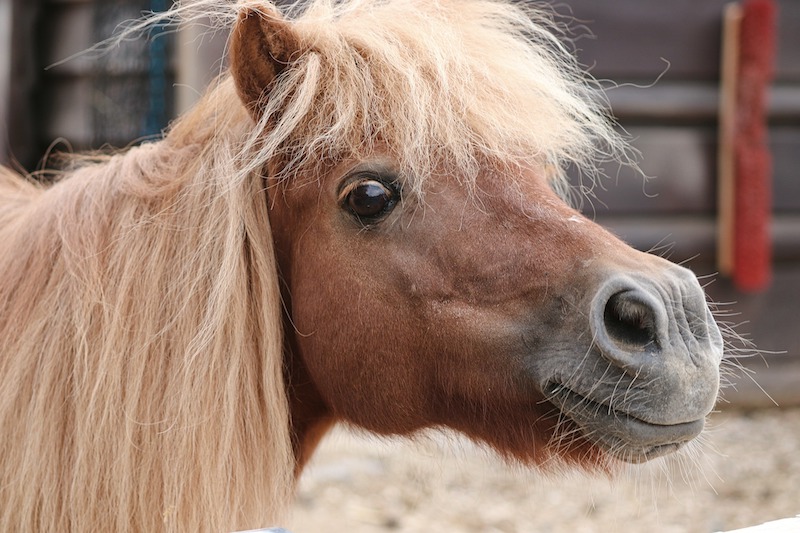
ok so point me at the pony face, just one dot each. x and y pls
(502, 313)
(431, 275)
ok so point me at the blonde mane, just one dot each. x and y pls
(140, 317)
(443, 83)
(446, 83)
(141, 343)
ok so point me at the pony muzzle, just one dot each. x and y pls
(652, 373)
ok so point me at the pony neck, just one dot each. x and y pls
(151, 279)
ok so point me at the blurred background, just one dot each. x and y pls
(660, 62)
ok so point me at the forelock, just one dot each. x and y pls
(442, 84)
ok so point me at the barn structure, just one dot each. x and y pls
(661, 58)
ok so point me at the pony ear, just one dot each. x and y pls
(262, 45)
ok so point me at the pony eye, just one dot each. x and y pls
(369, 199)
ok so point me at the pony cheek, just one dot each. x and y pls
(365, 373)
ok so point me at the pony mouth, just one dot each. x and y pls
(620, 434)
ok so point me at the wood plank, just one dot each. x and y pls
(66, 31)
(768, 381)
(689, 236)
(788, 62)
(682, 161)
(692, 103)
(66, 109)
(726, 134)
(627, 39)
(633, 38)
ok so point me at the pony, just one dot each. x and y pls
(363, 222)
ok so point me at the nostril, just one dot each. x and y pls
(629, 321)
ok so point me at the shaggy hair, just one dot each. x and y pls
(443, 83)
(140, 342)
(140, 317)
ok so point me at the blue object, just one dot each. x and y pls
(156, 118)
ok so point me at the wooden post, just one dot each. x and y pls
(726, 173)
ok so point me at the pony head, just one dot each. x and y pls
(432, 274)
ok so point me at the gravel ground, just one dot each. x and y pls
(746, 472)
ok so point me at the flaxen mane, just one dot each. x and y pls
(141, 346)
(140, 321)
